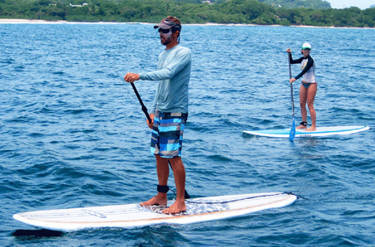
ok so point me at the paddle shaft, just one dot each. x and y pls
(145, 111)
(291, 85)
(144, 108)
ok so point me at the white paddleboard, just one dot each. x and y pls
(133, 215)
(320, 131)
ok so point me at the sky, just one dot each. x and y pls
(362, 4)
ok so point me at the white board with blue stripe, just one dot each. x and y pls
(320, 131)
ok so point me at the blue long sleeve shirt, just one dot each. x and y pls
(173, 74)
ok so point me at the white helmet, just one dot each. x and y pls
(306, 46)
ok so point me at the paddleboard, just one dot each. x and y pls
(320, 131)
(133, 215)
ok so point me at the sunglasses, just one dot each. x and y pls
(161, 30)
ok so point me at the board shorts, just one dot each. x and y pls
(167, 134)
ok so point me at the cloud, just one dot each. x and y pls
(362, 4)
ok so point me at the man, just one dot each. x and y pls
(169, 112)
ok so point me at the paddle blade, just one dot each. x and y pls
(292, 132)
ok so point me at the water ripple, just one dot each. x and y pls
(73, 134)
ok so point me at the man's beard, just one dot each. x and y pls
(166, 42)
(166, 39)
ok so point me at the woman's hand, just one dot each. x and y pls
(288, 50)
(292, 80)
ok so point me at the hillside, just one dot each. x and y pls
(290, 4)
(229, 11)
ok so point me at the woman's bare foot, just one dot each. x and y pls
(312, 128)
(302, 125)
(176, 208)
(159, 199)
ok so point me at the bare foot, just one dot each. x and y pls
(159, 199)
(301, 127)
(176, 208)
(312, 128)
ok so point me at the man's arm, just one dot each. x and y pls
(166, 73)
(180, 61)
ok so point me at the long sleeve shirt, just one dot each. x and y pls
(173, 74)
(308, 68)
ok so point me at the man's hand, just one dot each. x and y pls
(131, 77)
(152, 121)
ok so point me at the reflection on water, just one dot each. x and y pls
(73, 133)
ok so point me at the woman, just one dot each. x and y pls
(308, 87)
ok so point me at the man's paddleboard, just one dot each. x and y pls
(133, 215)
(320, 131)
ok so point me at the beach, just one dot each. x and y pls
(35, 21)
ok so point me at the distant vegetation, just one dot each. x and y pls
(291, 4)
(189, 11)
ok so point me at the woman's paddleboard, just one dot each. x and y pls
(320, 131)
(133, 215)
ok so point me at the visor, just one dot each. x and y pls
(306, 46)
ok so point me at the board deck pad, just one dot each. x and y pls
(133, 215)
(320, 131)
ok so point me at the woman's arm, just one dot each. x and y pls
(310, 63)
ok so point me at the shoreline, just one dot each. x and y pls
(36, 21)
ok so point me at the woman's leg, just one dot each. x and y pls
(311, 92)
(302, 103)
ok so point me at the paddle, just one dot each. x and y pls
(145, 111)
(144, 108)
(292, 132)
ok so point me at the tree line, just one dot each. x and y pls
(230, 11)
(313, 4)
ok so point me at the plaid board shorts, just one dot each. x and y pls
(167, 132)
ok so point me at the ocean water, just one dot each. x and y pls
(73, 134)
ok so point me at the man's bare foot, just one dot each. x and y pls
(312, 128)
(176, 208)
(159, 199)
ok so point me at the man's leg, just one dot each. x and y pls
(179, 176)
(162, 169)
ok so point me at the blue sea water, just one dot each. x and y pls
(73, 134)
